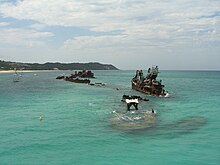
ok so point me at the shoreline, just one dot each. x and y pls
(12, 71)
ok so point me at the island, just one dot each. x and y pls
(8, 65)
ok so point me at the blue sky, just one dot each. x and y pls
(130, 34)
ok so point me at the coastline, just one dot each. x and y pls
(12, 71)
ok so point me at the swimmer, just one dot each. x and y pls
(153, 111)
(41, 118)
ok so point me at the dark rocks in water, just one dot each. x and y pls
(98, 84)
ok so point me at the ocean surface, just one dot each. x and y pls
(76, 126)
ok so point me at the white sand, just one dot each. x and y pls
(12, 71)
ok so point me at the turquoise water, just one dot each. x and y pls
(76, 127)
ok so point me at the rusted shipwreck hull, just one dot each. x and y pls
(148, 85)
(156, 90)
(77, 80)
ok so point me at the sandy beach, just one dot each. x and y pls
(12, 71)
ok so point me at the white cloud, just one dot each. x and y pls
(23, 37)
(92, 41)
(139, 25)
(3, 24)
(37, 26)
(146, 18)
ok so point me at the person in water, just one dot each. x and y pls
(152, 111)
(41, 118)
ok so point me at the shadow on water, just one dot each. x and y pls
(181, 127)
(150, 128)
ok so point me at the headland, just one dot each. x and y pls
(8, 65)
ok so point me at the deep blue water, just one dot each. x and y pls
(76, 127)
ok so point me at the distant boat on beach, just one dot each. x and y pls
(16, 77)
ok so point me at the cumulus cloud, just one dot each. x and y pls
(22, 37)
(140, 24)
(3, 24)
(160, 19)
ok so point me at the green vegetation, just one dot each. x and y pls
(7, 65)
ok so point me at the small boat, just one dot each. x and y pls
(148, 85)
(16, 77)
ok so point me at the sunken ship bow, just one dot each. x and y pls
(149, 84)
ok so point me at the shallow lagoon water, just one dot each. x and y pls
(76, 126)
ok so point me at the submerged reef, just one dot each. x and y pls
(132, 120)
(144, 120)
